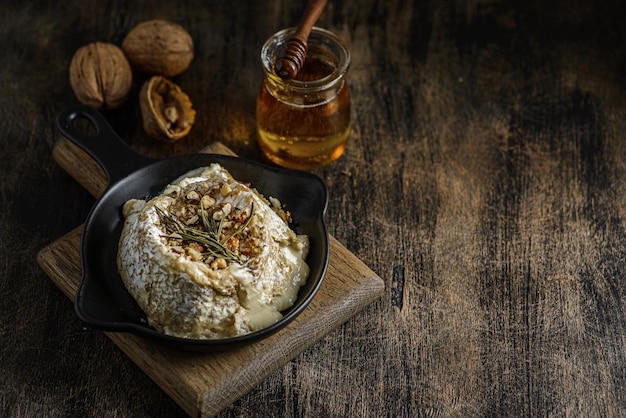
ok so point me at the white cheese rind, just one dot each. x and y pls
(189, 299)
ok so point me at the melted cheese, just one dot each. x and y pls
(188, 298)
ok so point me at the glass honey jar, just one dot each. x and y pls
(304, 123)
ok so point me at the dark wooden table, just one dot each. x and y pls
(484, 182)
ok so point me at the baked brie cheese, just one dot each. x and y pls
(211, 257)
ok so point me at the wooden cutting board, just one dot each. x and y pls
(205, 383)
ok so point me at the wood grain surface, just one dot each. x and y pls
(484, 181)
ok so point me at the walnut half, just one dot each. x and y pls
(166, 110)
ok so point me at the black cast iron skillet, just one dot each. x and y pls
(102, 301)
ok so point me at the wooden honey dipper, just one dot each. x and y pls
(292, 54)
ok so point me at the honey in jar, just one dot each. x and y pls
(304, 123)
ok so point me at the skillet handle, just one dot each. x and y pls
(115, 157)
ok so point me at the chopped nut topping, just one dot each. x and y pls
(226, 190)
(210, 231)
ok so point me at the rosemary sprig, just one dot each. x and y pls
(209, 239)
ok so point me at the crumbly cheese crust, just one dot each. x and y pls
(187, 291)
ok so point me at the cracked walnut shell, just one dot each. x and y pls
(100, 75)
(166, 110)
(159, 47)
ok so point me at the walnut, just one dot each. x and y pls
(100, 75)
(166, 110)
(159, 47)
